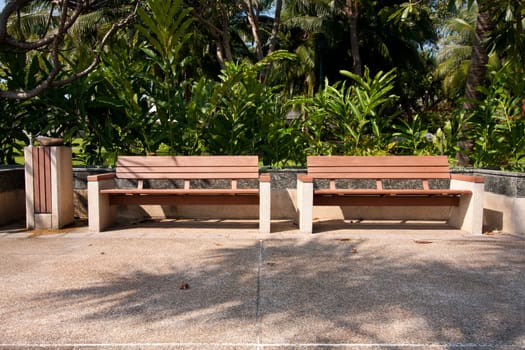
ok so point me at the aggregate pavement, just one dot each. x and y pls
(221, 285)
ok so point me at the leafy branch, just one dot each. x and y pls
(53, 43)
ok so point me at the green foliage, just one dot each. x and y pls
(499, 131)
(449, 138)
(343, 119)
(413, 137)
(159, 88)
(165, 29)
(246, 116)
(10, 132)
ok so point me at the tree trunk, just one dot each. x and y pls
(479, 57)
(275, 27)
(352, 13)
(476, 74)
(518, 13)
(254, 25)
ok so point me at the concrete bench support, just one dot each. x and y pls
(468, 216)
(101, 214)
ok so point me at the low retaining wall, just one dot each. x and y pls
(12, 195)
(504, 201)
(504, 204)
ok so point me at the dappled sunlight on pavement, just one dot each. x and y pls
(220, 285)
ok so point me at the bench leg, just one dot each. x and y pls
(264, 206)
(469, 215)
(100, 213)
(305, 197)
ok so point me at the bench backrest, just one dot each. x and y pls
(187, 167)
(378, 167)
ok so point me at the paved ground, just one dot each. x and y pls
(207, 285)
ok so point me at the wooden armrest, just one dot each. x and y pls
(304, 178)
(265, 177)
(99, 177)
(469, 178)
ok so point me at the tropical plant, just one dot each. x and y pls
(412, 137)
(455, 48)
(343, 119)
(117, 120)
(10, 131)
(500, 127)
(245, 114)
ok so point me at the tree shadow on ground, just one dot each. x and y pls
(327, 290)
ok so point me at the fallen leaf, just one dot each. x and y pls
(419, 241)
(184, 286)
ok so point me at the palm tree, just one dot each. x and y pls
(508, 36)
(498, 31)
(392, 32)
(351, 9)
(454, 51)
(479, 56)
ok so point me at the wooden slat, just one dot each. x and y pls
(188, 167)
(187, 161)
(100, 177)
(231, 169)
(265, 178)
(406, 175)
(377, 160)
(379, 169)
(181, 191)
(36, 180)
(47, 167)
(156, 199)
(42, 180)
(469, 178)
(182, 176)
(386, 201)
(392, 192)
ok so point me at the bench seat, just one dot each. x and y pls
(104, 195)
(465, 192)
(182, 192)
(396, 192)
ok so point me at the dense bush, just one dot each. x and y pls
(155, 92)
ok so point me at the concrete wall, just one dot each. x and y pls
(504, 203)
(12, 195)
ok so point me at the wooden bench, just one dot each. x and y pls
(465, 193)
(103, 195)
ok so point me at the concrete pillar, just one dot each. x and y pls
(49, 187)
(305, 195)
(469, 215)
(265, 197)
